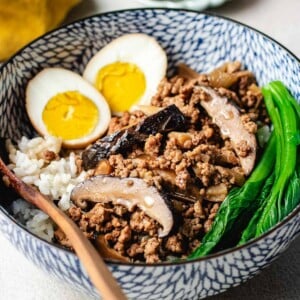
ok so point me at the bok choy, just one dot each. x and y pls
(273, 189)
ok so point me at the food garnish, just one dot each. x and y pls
(164, 121)
(169, 178)
(285, 193)
(129, 192)
(227, 117)
(127, 71)
(273, 189)
(238, 202)
(62, 104)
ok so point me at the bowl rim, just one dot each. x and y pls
(251, 242)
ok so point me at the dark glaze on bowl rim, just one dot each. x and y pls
(207, 257)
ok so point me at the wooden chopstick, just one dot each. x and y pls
(90, 258)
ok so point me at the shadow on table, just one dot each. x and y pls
(234, 6)
(84, 9)
(280, 281)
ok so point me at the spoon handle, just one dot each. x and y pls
(90, 258)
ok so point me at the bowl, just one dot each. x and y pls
(203, 41)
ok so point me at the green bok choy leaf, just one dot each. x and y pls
(273, 189)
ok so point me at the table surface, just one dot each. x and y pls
(20, 279)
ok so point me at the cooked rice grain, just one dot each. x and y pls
(55, 179)
(35, 220)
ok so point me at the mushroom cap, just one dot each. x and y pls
(226, 116)
(129, 192)
(163, 121)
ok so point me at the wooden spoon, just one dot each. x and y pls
(94, 264)
(107, 252)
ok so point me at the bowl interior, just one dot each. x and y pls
(200, 40)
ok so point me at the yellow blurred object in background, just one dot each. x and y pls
(21, 21)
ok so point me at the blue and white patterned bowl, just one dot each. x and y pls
(203, 42)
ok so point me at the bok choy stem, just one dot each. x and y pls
(285, 130)
(273, 189)
(237, 202)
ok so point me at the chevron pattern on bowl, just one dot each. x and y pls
(203, 42)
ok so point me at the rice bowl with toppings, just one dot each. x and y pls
(173, 278)
(194, 143)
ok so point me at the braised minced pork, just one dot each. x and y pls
(196, 168)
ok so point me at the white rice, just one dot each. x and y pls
(55, 179)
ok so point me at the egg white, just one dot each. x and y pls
(139, 49)
(51, 81)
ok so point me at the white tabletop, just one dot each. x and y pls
(20, 279)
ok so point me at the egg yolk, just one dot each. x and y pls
(122, 85)
(70, 115)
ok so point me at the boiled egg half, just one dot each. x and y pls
(127, 71)
(61, 103)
